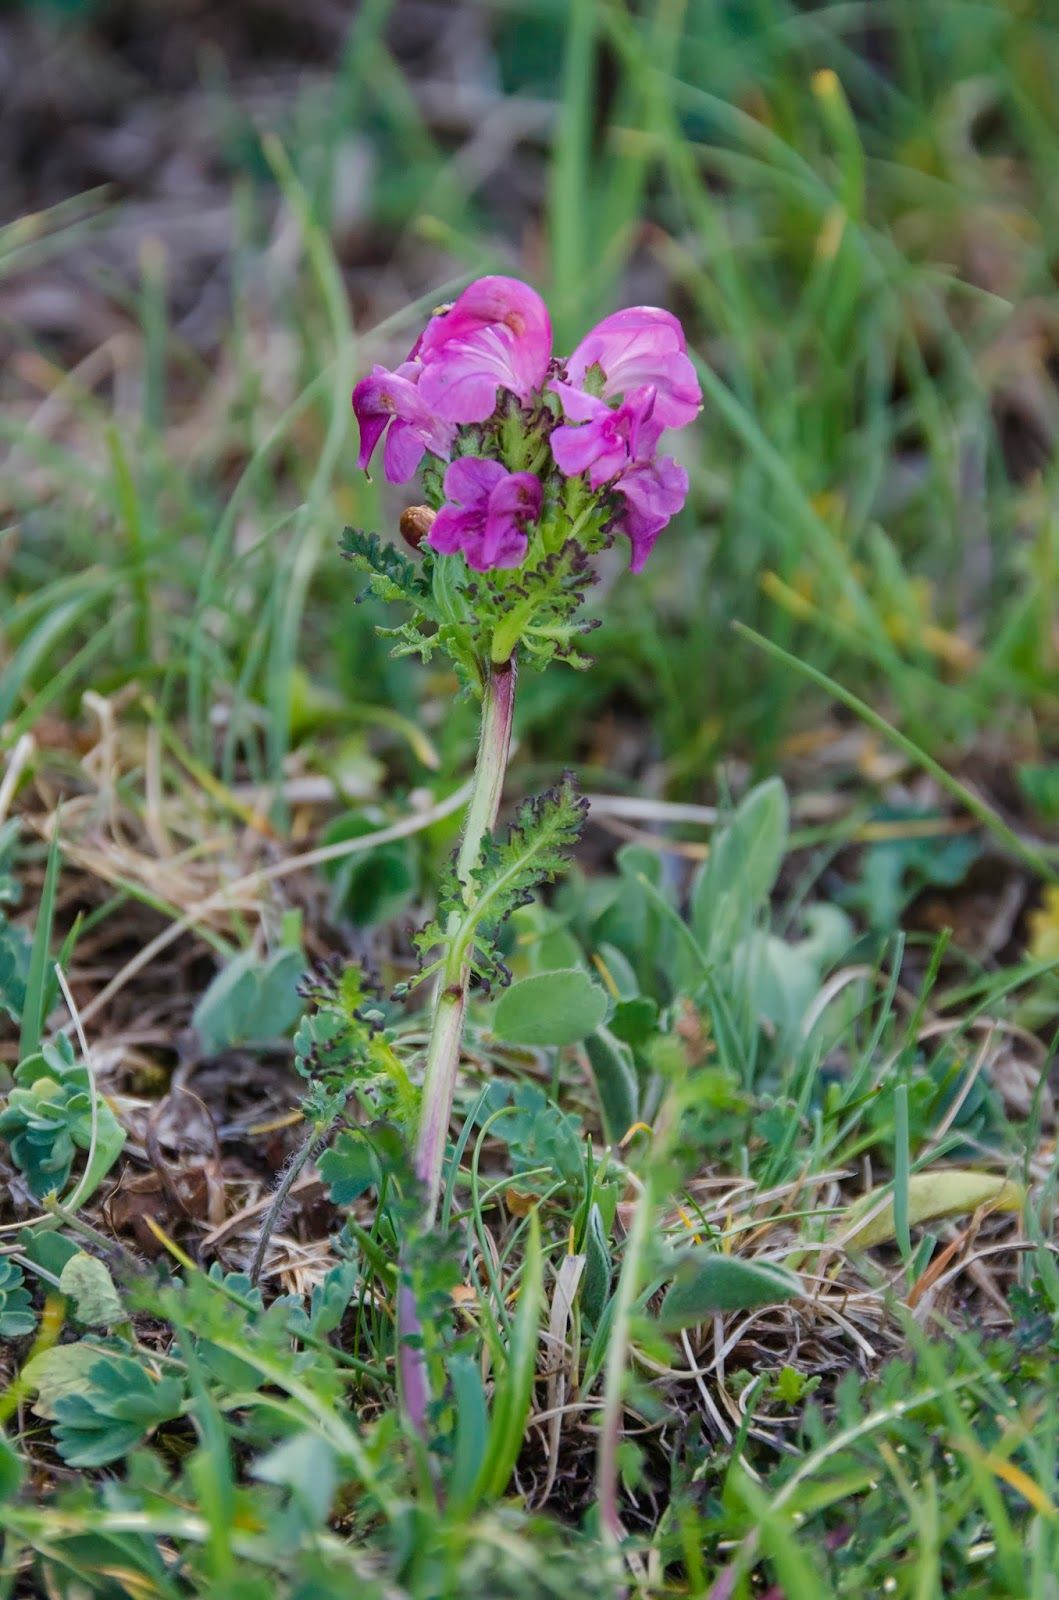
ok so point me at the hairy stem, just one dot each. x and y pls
(314, 1143)
(446, 1030)
(450, 998)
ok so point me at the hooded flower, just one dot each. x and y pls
(627, 381)
(643, 345)
(653, 491)
(497, 335)
(391, 403)
(486, 513)
(609, 438)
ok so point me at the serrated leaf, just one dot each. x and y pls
(89, 1285)
(550, 1008)
(536, 1132)
(391, 574)
(949, 1192)
(48, 1117)
(707, 1282)
(536, 849)
(121, 1403)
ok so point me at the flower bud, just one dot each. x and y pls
(416, 523)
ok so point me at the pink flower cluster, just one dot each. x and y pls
(627, 382)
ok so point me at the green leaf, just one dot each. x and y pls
(46, 1248)
(536, 849)
(375, 886)
(89, 1285)
(513, 1388)
(599, 1269)
(948, 1192)
(349, 1167)
(60, 1371)
(617, 1088)
(100, 1420)
(38, 987)
(15, 948)
(12, 1469)
(707, 1282)
(635, 1020)
(17, 1316)
(304, 1464)
(250, 1001)
(550, 1008)
(470, 1439)
(48, 1117)
(536, 1132)
(738, 876)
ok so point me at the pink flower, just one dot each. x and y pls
(609, 439)
(393, 401)
(497, 335)
(653, 492)
(643, 345)
(490, 511)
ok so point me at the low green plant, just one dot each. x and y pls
(54, 1110)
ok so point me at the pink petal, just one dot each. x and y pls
(611, 441)
(642, 345)
(461, 385)
(517, 494)
(578, 405)
(502, 544)
(393, 398)
(402, 452)
(471, 479)
(496, 335)
(653, 492)
(575, 449)
(449, 530)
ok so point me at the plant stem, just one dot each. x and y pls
(450, 998)
(446, 1030)
(314, 1143)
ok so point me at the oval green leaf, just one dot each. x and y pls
(551, 1008)
(707, 1282)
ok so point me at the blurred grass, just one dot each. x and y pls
(853, 213)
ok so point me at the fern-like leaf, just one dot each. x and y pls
(536, 850)
(342, 1049)
(391, 575)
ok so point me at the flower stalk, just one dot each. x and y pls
(450, 995)
(449, 1014)
(531, 463)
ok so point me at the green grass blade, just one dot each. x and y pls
(952, 786)
(37, 981)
